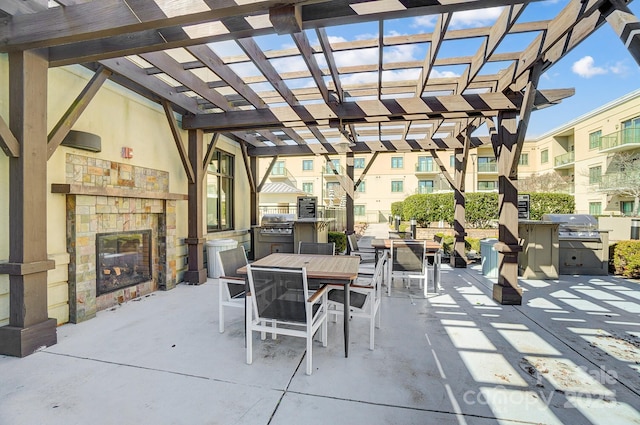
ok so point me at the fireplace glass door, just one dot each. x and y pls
(123, 259)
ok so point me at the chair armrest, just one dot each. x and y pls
(314, 297)
(232, 278)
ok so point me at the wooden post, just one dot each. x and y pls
(254, 203)
(29, 325)
(458, 257)
(507, 290)
(350, 194)
(625, 24)
(196, 273)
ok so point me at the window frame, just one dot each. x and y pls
(305, 162)
(397, 186)
(225, 179)
(397, 162)
(544, 156)
(357, 162)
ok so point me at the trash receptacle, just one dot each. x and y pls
(214, 246)
(489, 257)
(635, 228)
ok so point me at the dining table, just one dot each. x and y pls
(321, 270)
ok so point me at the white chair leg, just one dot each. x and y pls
(249, 335)
(308, 354)
(324, 333)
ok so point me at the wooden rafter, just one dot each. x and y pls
(247, 167)
(8, 141)
(306, 51)
(432, 52)
(211, 148)
(182, 151)
(62, 128)
(266, 174)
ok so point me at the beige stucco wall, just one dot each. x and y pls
(121, 118)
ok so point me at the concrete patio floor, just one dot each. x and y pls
(569, 355)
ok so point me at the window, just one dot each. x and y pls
(307, 187)
(220, 198)
(594, 139)
(358, 210)
(333, 189)
(278, 169)
(544, 156)
(524, 159)
(452, 161)
(595, 208)
(487, 185)
(425, 186)
(307, 164)
(626, 207)
(360, 187)
(358, 162)
(425, 164)
(397, 162)
(397, 186)
(336, 165)
(630, 128)
(595, 175)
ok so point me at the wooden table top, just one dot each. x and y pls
(339, 267)
(386, 243)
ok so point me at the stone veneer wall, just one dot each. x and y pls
(88, 215)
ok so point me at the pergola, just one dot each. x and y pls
(176, 53)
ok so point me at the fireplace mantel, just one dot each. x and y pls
(121, 192)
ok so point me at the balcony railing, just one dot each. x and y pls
(425, 167)
(487, 167)
(329, 171)
(617, 181)
(421, 190)
(564, 159)
(628, 138)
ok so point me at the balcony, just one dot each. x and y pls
(614, 182)
(566, 160)
(422, 190)
(487, 168)
(281, 174)
(328, 171)
(426, 168)
(622, 140)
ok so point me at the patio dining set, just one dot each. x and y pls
(295, 294)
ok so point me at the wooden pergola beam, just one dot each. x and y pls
(70, 117)
(182, 151)
(428, 107)
(8, 141)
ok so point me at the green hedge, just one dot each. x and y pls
(340, 240)
(480, 210)
(625, 257)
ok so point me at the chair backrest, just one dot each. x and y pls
(353, 242)
(279, 293)
(231, 260)
(321, 248)
(408, 255)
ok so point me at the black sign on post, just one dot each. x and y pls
(307, 206)
(523, 207)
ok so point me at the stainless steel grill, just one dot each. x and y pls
(584, 249)
(275, 234)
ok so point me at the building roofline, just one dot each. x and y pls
(627, 97)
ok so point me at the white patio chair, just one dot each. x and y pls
(283, 305)
(364, 299)
(408, 261)
(231, 285)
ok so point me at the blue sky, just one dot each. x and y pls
(600, 69)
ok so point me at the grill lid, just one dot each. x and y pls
(277, 220)
(574, 225)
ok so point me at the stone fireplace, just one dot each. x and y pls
(112, 210)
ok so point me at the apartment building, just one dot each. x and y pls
(579, 157)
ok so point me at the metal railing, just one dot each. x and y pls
(329, 171)
(487, 167)
(616, 181)
(425, 167)
(620, 138)
(564, 159)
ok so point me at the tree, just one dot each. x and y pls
(623, 177)
(545, 182)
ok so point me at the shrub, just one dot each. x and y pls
(626, 258)
(481, 209)
(396, 208)
(550, 203)
(340, 239)
(418, 207)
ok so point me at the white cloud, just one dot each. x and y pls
(586, 68)
(442, 74)
(463, 19)
(620, 68)
(475, 18)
